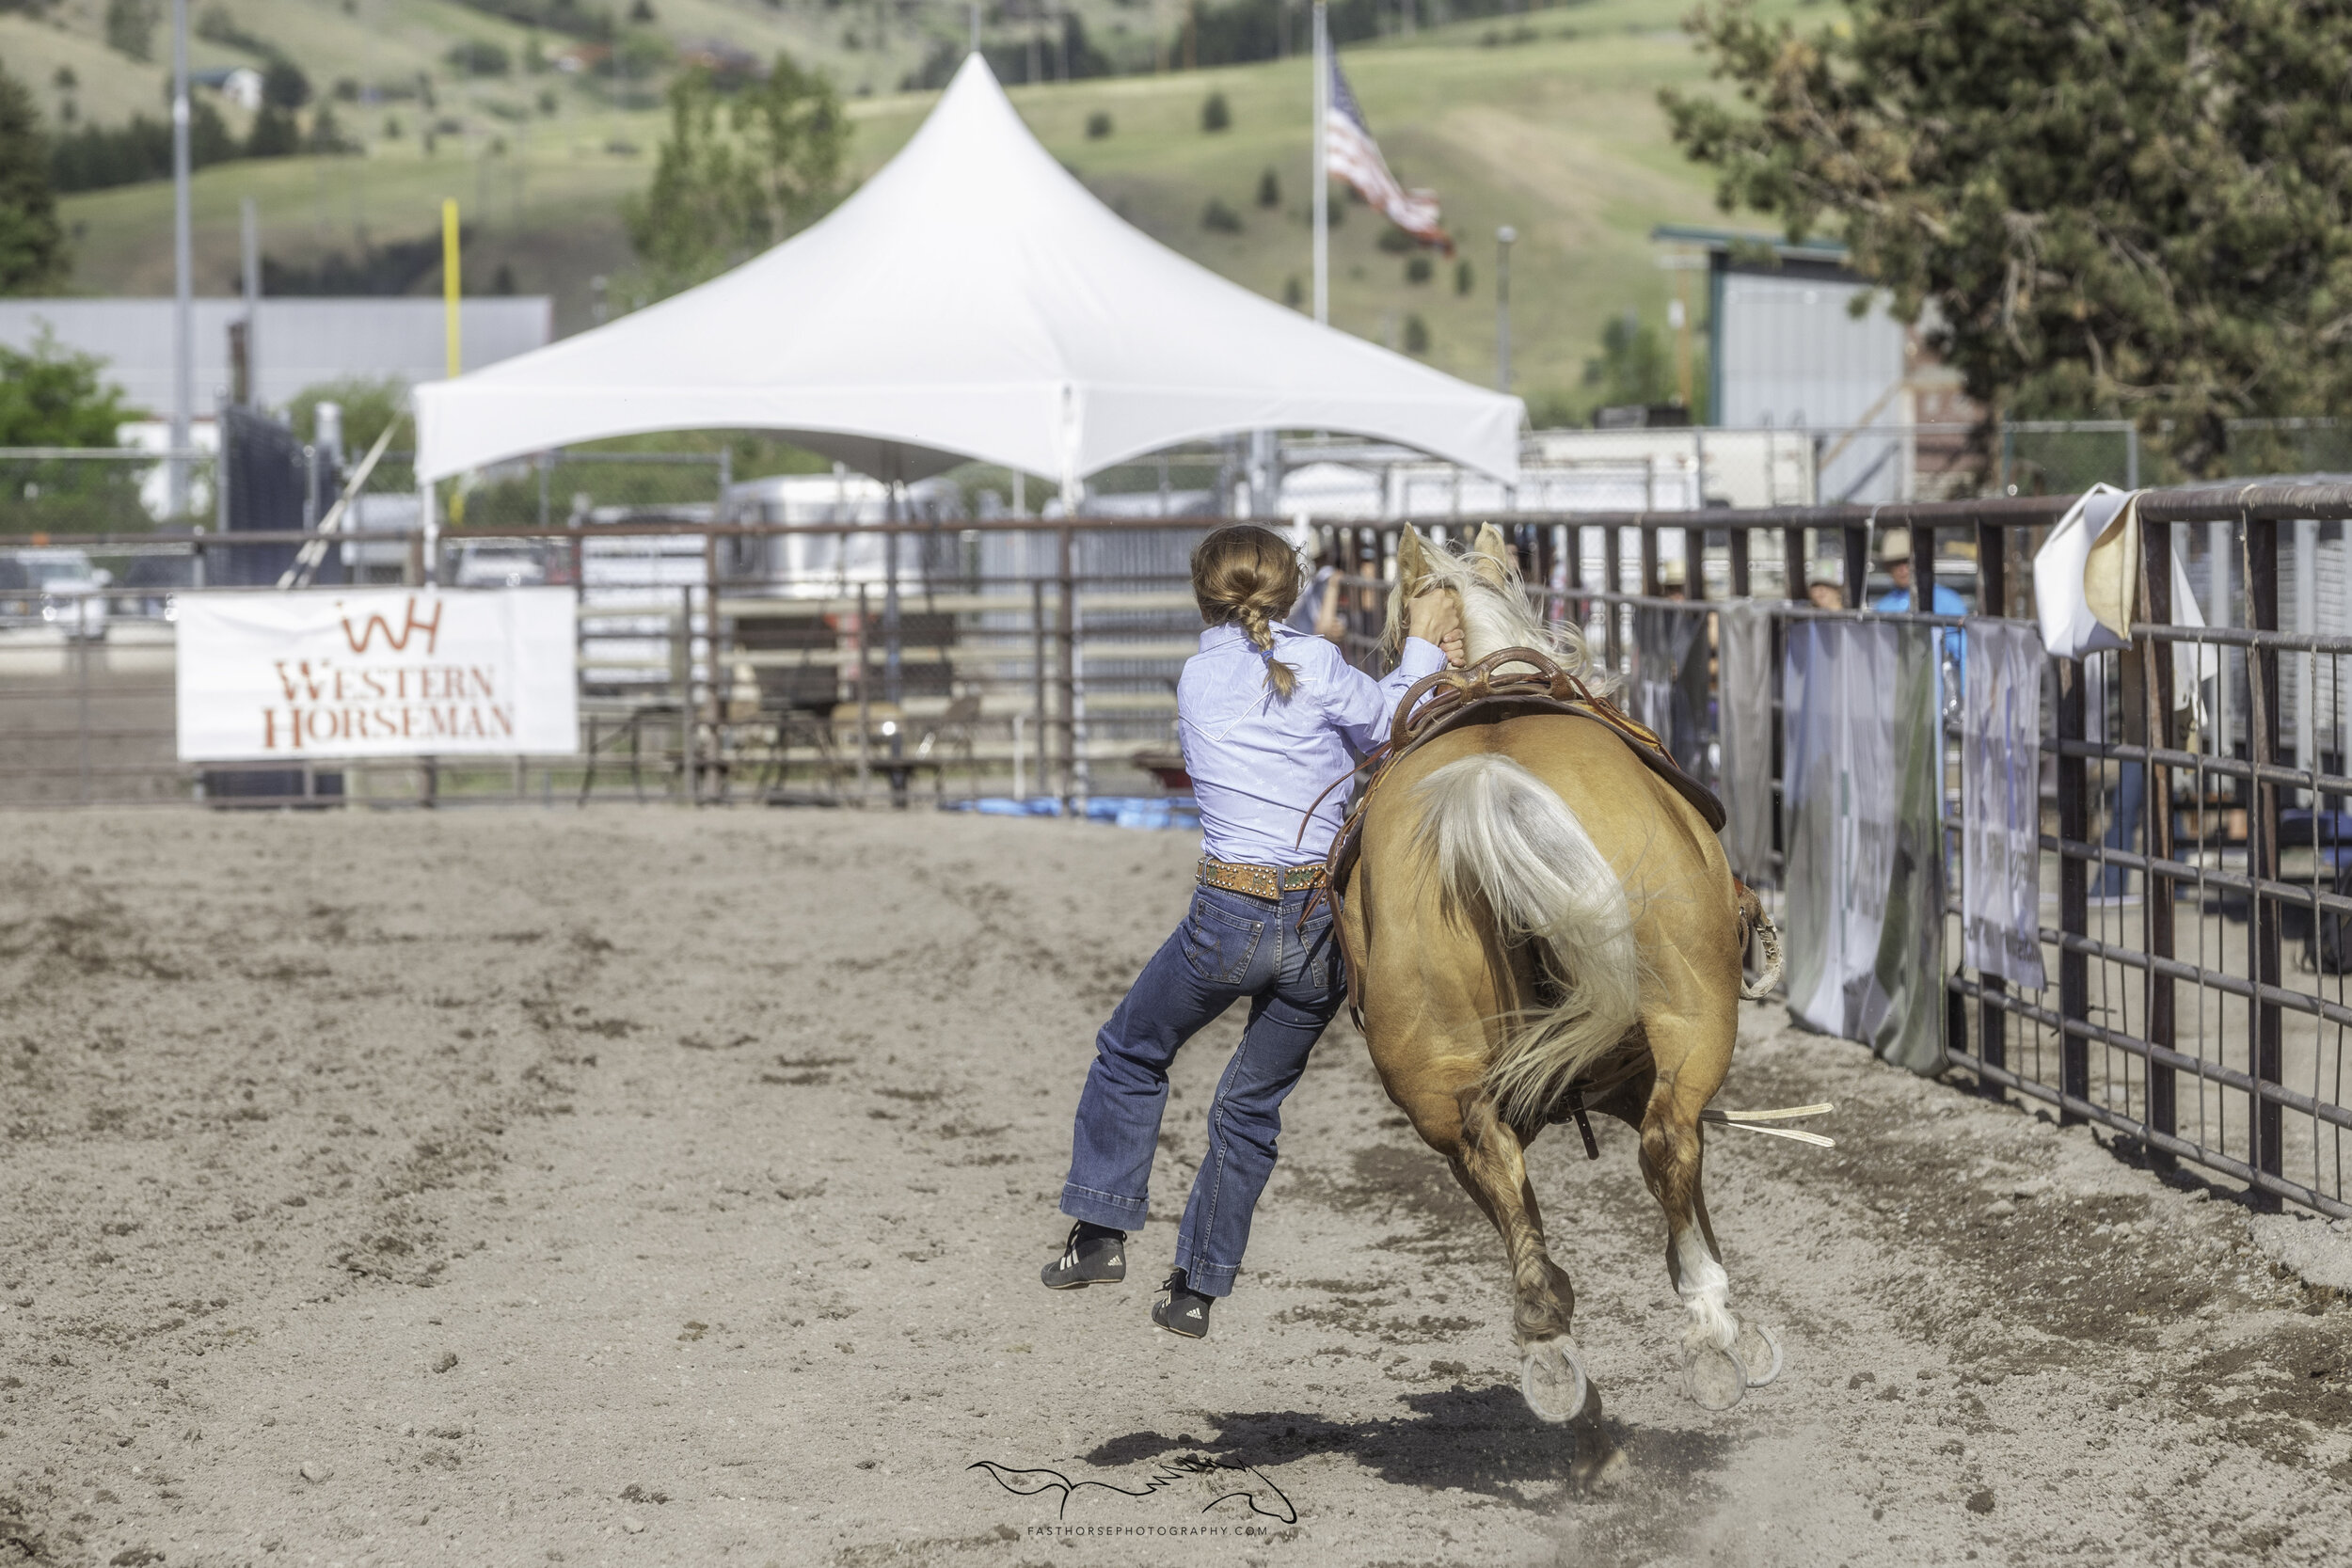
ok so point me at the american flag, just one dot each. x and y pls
(1355, 157)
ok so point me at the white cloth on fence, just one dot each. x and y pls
(1839, 689)
(2085, 591)
(1744, 715)
(2001, 813)
(2070, 629)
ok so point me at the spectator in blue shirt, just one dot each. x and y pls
(1895, 557)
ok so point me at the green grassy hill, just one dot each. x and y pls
(1551, 125)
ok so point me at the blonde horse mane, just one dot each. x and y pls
(1498, 607)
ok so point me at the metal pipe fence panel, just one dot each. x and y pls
(2196, 845)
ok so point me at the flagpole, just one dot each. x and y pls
(1319, 187)
(183, 276)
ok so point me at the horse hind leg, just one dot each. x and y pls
(1489, 1161)
(1712, 1372)
(1722, 1357)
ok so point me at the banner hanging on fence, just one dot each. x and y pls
(1744, 720)
(2000, 813)
(1841, 787)
(1909, 970)
(269, 676)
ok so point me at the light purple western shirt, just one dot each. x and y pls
(1257, 763)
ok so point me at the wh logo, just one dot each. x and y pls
(397, 641)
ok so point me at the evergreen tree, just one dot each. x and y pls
(2132, 207)
(33, 256)
(283, 85)
(738, 172)
(275, 134)
(131, 27)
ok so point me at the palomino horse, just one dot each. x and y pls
(1541, 917)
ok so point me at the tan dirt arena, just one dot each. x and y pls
(635, 1186)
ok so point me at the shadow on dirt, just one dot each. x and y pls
(1482, 1440)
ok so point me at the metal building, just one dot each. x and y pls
(299, 342)
(1786, 349)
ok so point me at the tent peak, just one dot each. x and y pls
(972, 299)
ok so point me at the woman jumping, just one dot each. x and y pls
(1269, 720)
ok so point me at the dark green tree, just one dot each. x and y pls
(275, 133)
(2133, 207)
(283, 85)
(131, 27)
(738, 172)
(33, 255)
(368, 407)
(1630, 368)
(326, 135)
(480, 58)
(50, 397)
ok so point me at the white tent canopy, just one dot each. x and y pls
(971, 300)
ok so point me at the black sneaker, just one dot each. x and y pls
(1094, 1255)
(1181, 1309)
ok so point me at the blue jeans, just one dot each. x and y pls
(2131, 793)
(1231, 945)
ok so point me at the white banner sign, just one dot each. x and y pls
(1843, 784)
(375, 672)
(2000, 802)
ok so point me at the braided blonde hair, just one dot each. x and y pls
(1247, 576)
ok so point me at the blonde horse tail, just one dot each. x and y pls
(1501, 837)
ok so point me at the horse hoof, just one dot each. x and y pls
(1758, 1350)
(1552, 1380)
(1713, 1378)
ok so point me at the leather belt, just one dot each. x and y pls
(1261, 882)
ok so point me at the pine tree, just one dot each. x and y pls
(2104, 207)
(738, 172)
(33, 255)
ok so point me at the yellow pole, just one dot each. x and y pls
(449, 280)
(450, 296)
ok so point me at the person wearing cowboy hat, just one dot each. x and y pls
(1894, 558)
